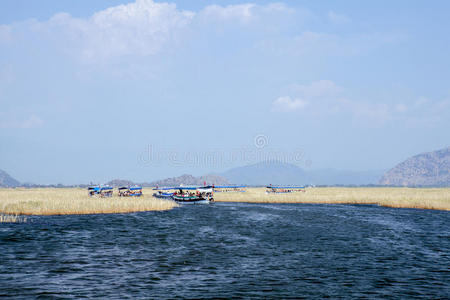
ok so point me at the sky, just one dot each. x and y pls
(96, 90)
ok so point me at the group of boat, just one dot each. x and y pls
(185, 194)
(107, 191)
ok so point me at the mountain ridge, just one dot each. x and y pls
(424, 169)
(7, 180)
(275, 172)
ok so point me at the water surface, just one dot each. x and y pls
(236, 250)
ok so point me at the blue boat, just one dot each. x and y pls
(100, 191)
(163, 193)
(133, 191)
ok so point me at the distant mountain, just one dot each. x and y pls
(426, 169)
(7, 181)
(190, 180)
(266, 173)
(120, 182)
(275, 172)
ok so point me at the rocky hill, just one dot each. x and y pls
(7, 181)
(120, 182)
(426, 169)
(190, 180)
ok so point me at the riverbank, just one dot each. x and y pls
(74, 201)
(422, 198)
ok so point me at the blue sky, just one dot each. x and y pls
(96, 90)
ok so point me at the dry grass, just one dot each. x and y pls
(425, 198)
(68, 201)
(12, 219)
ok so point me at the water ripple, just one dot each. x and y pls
(230, 251)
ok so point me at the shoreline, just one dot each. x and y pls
(74, 201)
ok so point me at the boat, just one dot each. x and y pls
(284, 189)
(127, 191)
(187, 194)
(229, 188)
(100, 191)
(163, 193)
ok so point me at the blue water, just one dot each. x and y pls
(231, 251)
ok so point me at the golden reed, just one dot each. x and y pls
(71, 201)
(423, 198)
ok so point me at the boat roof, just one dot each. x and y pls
(229, 186)
(183, 188)
(133, 188)
(285, 187)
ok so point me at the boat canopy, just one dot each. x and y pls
(123, 188)
(285, 187)
(205, 189)
(165, 188)
(229, 186)
(184, 188)
(135, 188)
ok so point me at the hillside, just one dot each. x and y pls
(274, 172)
(120, 182)
(190, 180)
(7, 181)
(425, 169)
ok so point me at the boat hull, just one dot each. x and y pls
(192, 200)
(162, 196)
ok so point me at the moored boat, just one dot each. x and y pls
(187, 195)
(163, 193)
(131, 191)
(100, 191)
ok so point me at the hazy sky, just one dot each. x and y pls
(96, 90)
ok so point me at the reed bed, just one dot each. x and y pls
(12, 219)
(423, 198)
(74, 201)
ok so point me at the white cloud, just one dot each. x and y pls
(337, 18)
(286, 104)
(145, 27)
(139, 28)
(243, 13)
(30, 122)
(326, 99)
